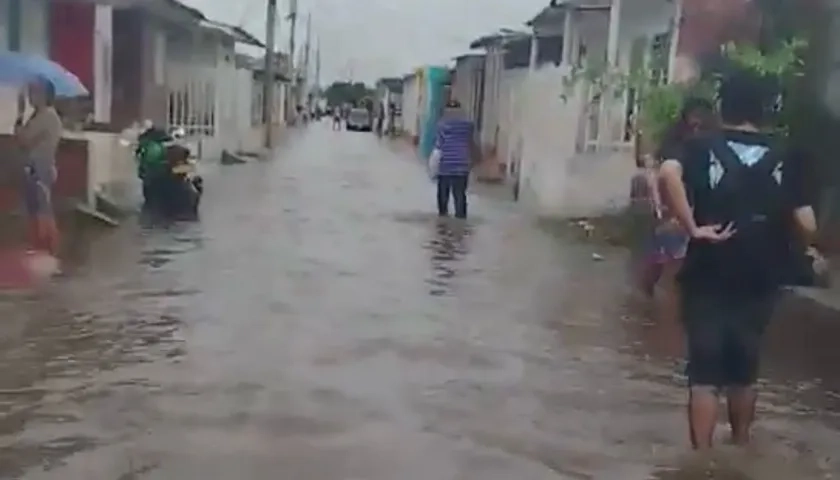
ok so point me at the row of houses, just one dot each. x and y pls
(157, 60)
(565, 146)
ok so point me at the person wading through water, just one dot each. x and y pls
(38, 138)
(746, 192)
(456, 145)
(668, 241)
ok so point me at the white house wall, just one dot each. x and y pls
(549, 127)
(556, 178)
(226, 135)
(410, 101)
(511, 88)
(461, 81)
(468, 72)
(103, 48)
(493, 68)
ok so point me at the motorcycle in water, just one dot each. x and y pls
(171, 186)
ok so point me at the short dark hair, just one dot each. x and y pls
(744, 98)
(695, 104)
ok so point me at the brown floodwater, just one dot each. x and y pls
(320, 323)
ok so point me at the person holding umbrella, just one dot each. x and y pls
(38, 138)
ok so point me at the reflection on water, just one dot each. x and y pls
(448, 245)
(292, 331)
(62, 348)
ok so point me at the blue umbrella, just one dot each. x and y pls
(18, 69)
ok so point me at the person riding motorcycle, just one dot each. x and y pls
(170, 185)
(152, 164)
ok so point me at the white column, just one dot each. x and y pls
(675, 38)
(103, 56)
(612, 36)
(568, 36)
(608, 96)
(535, 50)
(575, 41)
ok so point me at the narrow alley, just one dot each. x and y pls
(320, 323)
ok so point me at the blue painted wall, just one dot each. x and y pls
(435, 79)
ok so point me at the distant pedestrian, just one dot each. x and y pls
(336, 119)
(455, 142)
(380, 122)
(38, 137)
(392, 115)
(645, 213)
(668, 240)
(748, 209)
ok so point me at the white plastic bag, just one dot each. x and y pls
(434, 163)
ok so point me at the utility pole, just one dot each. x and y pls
(318, 66)
(293, 12)
(270, 63)
(307, 79)
(306, 50)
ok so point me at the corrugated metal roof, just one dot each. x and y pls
(555, 13)
(499, 38)
(237, 33)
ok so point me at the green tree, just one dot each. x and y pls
(340, 93)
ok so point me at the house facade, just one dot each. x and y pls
(389, 94)
(468, 86)
(411, 101)
(158, 60)
(576, 142)
(489, 129)
(250, 73)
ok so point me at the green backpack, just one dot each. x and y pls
(151, 158)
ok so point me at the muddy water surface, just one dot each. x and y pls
(319, 324)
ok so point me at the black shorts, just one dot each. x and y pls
(724, 333)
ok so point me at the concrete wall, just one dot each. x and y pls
(103, 51)
(466, 88)
(493, 68)
(548, 135)
(557, 180)
(511, 90)
(549, 131)
(250, 131)
(410, 106)
(111, 169)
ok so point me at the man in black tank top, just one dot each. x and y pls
(745, 193)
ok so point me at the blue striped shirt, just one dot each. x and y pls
(454, 140)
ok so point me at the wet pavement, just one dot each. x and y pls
(319, 323)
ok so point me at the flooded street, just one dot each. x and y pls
(319, 323)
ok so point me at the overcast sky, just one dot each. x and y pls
(376, 38)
